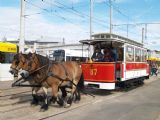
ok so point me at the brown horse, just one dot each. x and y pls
(14, 68)
(18, 63)
(54, 75)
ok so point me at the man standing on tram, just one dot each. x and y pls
(97, 55)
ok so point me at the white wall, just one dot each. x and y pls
(4, 72)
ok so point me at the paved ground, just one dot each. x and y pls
(142, 103)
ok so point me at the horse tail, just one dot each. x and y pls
(80, 88)
(80, 84)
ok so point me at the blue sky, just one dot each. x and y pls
(69, 19)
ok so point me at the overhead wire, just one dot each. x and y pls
(73, 10)
(84, 16)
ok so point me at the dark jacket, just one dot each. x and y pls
(97, 57)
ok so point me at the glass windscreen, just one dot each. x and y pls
(59, 55)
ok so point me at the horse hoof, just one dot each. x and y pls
(44, 108)
(67, 105)
(60, 102)
(34, 103)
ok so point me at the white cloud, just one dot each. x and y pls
(38, 26)
(9, 22)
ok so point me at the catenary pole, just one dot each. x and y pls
(22, 27)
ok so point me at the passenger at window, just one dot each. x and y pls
(97, 55)
(109, 55)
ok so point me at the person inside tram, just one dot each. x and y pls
(109, 55)
(97, 55)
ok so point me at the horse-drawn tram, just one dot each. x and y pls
(116, 62)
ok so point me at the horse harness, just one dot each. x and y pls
(50, 73)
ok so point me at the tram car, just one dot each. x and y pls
(127, 67)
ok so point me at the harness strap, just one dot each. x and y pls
(61, 79)
(50, 73)
(65, 70)
(38, 69)
(18, 82)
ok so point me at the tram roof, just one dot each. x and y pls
(104, 37)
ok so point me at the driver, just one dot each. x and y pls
(97, 55)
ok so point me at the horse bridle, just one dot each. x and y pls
(29, 64)
(16, 65)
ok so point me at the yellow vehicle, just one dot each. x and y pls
(7, 52)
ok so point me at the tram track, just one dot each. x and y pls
(13, 94)
(94, 101)
(40, 115)
(10, 88)
(116, 93)
(20, 107)
(12, 103)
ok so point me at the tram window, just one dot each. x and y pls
(129, 54)
(102, 36)
(137, 55)
(144, 55)
(120, 54)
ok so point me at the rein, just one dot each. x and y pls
(19, 82)
(38, 69)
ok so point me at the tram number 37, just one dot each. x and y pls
(93, 71)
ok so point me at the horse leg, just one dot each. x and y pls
(77, 95)
(56, 97)
(35, 96)
(63, 90)
(16, 76)
(72, 93)
(61, 98)
(44, 107)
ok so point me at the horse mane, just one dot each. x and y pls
(43, 60)
(16, 56)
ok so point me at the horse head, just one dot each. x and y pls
(23, 58)
(14, 65)
(30, 64)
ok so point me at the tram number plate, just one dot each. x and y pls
(93, 71)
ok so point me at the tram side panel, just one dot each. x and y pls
(108, 75)
(99, 75)
(134, 70)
